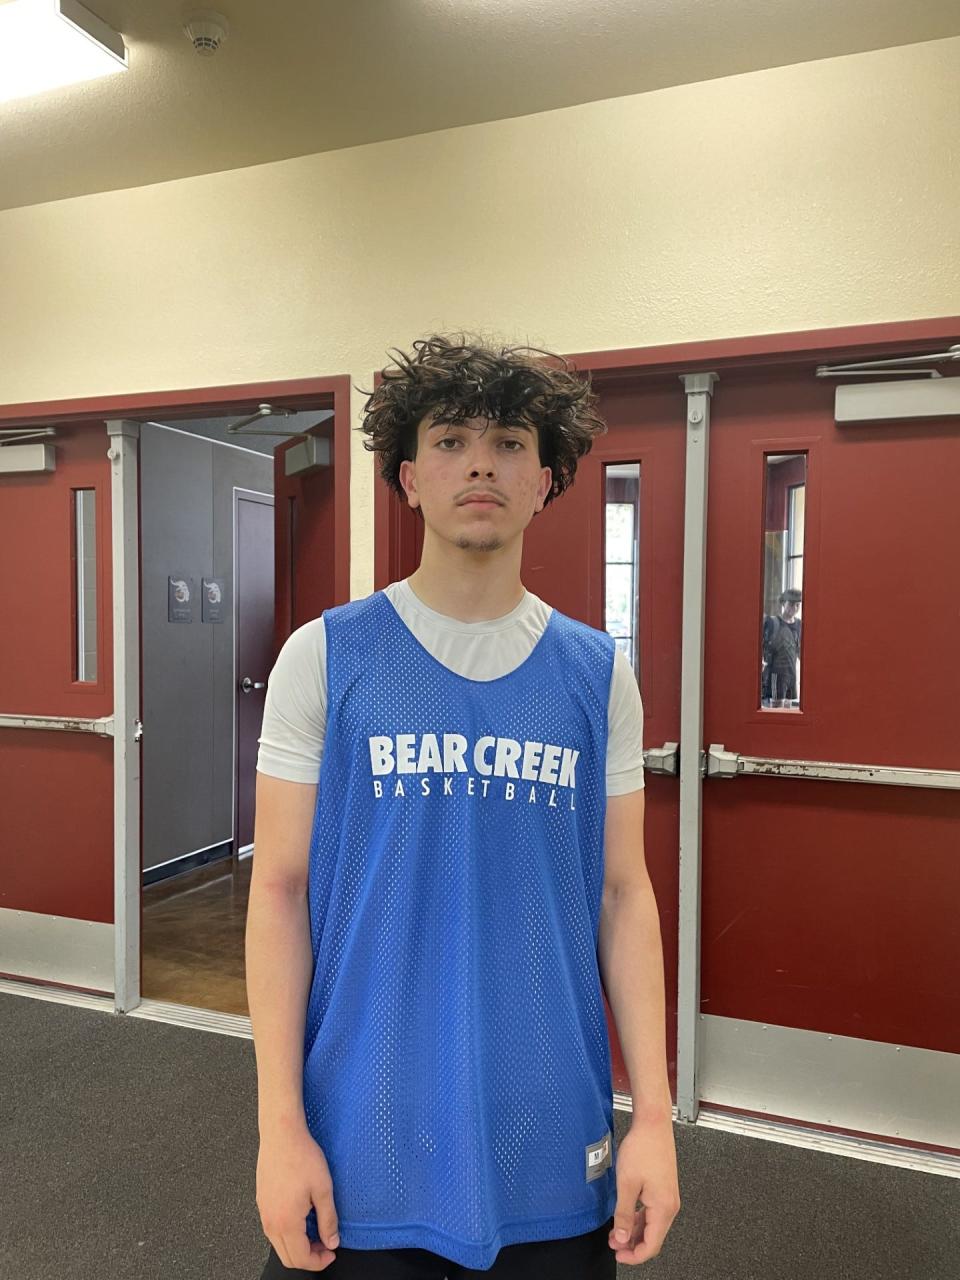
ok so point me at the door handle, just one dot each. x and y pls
(721, 763)
(247, 685)
(728, 764)
(663, 759)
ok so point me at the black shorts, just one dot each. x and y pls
(586, 1257)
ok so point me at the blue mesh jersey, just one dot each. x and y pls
(456, 1058)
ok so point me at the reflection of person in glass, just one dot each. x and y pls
(781, 651)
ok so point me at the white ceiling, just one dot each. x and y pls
(301, 76)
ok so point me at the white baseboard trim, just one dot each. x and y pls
(57, 995)
(183, 1015)
(835, 1144)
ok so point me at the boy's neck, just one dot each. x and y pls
(478, 592)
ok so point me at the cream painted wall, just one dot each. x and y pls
(806, 196)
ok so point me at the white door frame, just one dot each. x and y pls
(124, 519)
(266, 499)
(699, 389)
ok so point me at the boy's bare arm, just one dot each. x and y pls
(279, 960)
(292, 1171)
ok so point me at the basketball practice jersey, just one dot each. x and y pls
(457, 1069)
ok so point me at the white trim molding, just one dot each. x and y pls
(125, 516)
(834, 1144)
(698, 388)
(184, 1015)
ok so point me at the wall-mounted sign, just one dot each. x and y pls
(213, 595)
(180, 593)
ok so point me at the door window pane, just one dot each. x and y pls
(622, 558)
(781, 624)
(795, 512)
(85, 582)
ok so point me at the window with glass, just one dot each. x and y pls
(785, 487)
(85, 583)
(292, 553)
(622, 558)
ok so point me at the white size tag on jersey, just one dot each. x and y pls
(599, 1157)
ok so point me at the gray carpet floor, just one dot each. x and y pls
(128, 1152)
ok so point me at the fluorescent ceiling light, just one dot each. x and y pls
(46, 44)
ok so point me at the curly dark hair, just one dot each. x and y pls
(461, 376)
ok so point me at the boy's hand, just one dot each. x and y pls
(646, 1171)
(292, 1176)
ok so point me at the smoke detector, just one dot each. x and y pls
(206, 31)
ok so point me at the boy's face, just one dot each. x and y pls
(455, 462)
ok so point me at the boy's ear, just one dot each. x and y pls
(543, 488)
(408, 479)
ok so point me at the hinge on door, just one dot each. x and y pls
(137, 731)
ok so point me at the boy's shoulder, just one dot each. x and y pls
(582, 630)
(355, 610)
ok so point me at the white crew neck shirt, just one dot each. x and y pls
(295, 711)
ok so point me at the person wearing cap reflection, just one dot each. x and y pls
(781, 651)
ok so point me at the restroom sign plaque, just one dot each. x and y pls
(181, 590)
(212, 592)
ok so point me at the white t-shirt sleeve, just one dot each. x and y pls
(295, 710)
(625, 730)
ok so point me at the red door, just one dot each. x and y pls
(56, 786)
(567, 562)
(831, 906)
(829, 951)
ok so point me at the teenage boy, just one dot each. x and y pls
(449, 863)
(781, 652)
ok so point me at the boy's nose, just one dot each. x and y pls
(482, 462)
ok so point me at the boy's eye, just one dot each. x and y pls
(454, 440)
